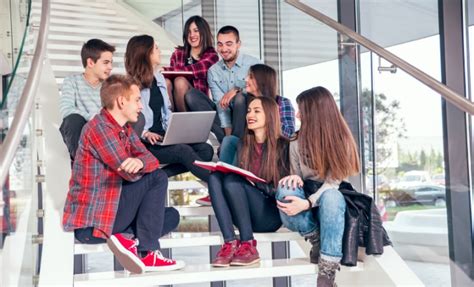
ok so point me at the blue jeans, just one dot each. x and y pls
(228, 149)
(330, 220)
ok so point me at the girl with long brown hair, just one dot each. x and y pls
(324, 151)
(142, 58)
(197, 55)
(236, 201)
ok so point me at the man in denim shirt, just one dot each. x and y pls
(226, 80)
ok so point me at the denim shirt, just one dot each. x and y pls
(165, 110)
(221, 79)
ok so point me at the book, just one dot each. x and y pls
(173, 74)
(228, 168)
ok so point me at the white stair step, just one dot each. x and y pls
(66, 57)
(199, 273)
(75, 8)
(81, 3)
(84, 38)
(84, 16)
(194, 239)
(92, 32)
(77, 48)
(78, 22)
(79, 69)
(196, 210)
(184, 184)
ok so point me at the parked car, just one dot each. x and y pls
(426, 194)
(439, 179)
(413, 178)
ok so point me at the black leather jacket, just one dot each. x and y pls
(363, 224)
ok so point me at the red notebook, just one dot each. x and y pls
(228, 168)
(173, 74)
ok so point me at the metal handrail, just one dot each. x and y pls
(454, 98)
(12, 140)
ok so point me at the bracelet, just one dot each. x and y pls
(310, 204)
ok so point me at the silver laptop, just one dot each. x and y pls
(188, 127)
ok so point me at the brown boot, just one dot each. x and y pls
(316, 245)
(327, 273)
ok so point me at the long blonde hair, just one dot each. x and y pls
(325, 141)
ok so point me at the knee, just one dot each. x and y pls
(284, 191)
(190, 98)
(332, 200)
(181, 83)
(160, 178)
(75, 118)
(172, 216)
(240, 100)
(230, 141)
(207, 152)
(73, 122)
(233, 183)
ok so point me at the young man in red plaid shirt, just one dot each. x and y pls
(116, 187)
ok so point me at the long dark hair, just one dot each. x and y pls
(137, 59)
(266, 79)
(204, 33)
(274, 166)
(325, 142)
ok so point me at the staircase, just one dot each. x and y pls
(74, 22)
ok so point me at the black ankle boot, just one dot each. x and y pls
(316, 245)
(327, 273)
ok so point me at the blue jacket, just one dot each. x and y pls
(165, 110)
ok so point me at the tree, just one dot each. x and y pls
(389, 127)
(423, 160)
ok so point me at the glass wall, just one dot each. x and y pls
(403, 134)
(244, 15)
(308, 50)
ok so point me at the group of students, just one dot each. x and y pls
(117, 190)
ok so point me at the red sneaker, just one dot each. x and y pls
(125, 250)
(225, 254)
(246, 254)
(155, 261)
(206, 201)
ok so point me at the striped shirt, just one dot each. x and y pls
(79, 97)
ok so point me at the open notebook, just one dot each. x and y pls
(228, 168)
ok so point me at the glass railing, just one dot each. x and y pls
(402, 131)
(19, 248)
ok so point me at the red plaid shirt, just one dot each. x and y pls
(96, 183)
(178, 63)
